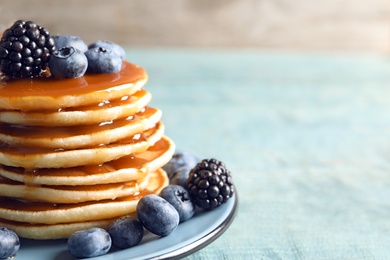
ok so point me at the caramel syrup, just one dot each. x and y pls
(138, 162)
(127, 99)
(40, 94)
(129, 73)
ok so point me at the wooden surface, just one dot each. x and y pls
(307, 137)
(362, 25)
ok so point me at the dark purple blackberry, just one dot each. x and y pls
(25, 49)
(210, 184)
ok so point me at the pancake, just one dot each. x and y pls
(33, 157)
(74, 137)
(126, 168)
(71, 194)
(48, 221)
(54, 94)
(93, 114)
(57, 231)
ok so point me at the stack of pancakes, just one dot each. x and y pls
(78, 153)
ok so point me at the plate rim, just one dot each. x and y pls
(205, 240)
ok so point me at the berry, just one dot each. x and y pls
(9, 243)
(101, 60)
(117, 49)
(126, 232)
(180, 159)
(25, 50)
(89, 243)
(157, 215)
(179, 176)
(210, 184)
(180, 199)
(70, 41)
(179, 167)
(68, 62)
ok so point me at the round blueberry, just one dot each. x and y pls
(126, 232)
(108, 45)
(89, 243)
(179, 176)
(103, 61)
(157, 215)
(76, 42)
(180, 199)
(68, 62)
(9, 243)
(179, 166)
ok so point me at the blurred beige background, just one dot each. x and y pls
(346, 25)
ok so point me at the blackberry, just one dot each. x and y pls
(210, 184)
(25, 49)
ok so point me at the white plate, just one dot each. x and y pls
(190, 236)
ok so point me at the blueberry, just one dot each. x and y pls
(76, 42)
(9, 243)
(109, 46)
(180, 199)
(179, 176)
(89, 243)
(102, 60)
(126, 232)
(157, 215)
(68, 62)
(179, 166)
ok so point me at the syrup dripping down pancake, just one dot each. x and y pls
(127, 168)
(32, 157)
(76, 137)
(44, 94)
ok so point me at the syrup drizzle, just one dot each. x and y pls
(129, 74)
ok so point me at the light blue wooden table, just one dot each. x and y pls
(307, 137)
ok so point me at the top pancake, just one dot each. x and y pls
(54, 94)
